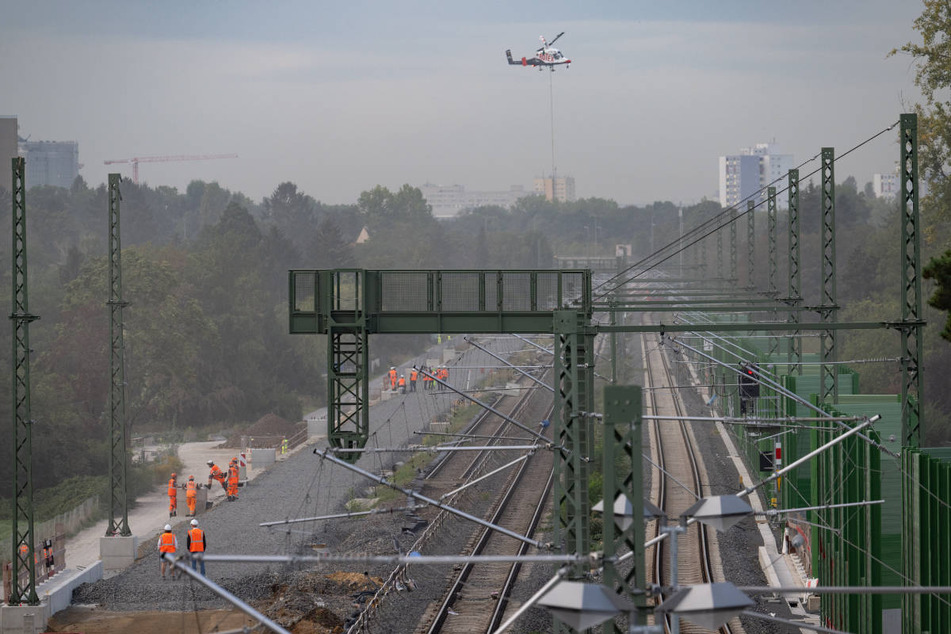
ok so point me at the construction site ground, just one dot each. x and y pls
(316, 599)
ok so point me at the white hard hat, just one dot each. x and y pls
(194, 522)
(211, 462)
(168, 527)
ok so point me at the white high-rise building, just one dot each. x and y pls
(561, 188)
(448, 201)
(885, 185)
(753, 170)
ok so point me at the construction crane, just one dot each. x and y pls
(163, 159)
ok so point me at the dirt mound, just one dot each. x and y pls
(268, 431)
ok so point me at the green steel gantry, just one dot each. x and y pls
(23, 586)
(348, 305)
(118, 486)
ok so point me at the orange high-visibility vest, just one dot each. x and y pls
(413, 375)
(197, 544)
(402, 381)
(167, 544)
(190, 489)
(171, 488)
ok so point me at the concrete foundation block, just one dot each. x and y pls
(58, 591)
(117, 553)
(262, 458)
(24, 619)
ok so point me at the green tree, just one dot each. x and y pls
(292, 212)
(939, 269)
(932, 59)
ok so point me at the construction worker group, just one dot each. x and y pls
(228, 481)
(195, 541)
(396, 381)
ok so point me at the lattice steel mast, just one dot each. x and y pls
(795, 273)
(828, 375)
(911, 339)
(118, 485)
(23, 537)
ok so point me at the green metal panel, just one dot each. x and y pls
(911, 333)
(20, 318)
(119, 455)
(450, 302)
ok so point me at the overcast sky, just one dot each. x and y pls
(341, 96)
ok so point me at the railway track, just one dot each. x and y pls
(509, 506)
(676, 487)
(477, 595)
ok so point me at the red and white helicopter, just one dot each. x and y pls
(547, 55)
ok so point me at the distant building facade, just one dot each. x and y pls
(448, 201)
(885, 185)
(753, 169)
(8, 142)
(53, 163)
(561, 188)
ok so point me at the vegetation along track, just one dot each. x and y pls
(678, 486)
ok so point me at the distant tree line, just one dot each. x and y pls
(205, 274)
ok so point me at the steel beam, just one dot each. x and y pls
(911, 335)
(118, 485)
(24, 564)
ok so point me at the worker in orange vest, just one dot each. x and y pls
(191, 495)
(173, 496)
(413, 375)
(196, 543)
(217, 474)
(167, 545)
(392, 378)
(402, 384)
(233, 480)
(428, 382)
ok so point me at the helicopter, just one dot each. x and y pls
(547, 55)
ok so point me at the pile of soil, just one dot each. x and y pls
(307, 603)
(268, 431)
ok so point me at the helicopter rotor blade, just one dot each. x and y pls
(556, 38)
